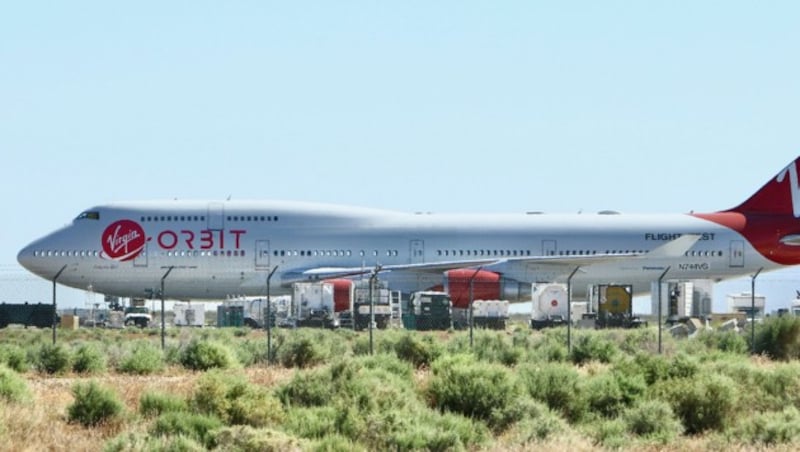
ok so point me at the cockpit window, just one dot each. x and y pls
(90, 215)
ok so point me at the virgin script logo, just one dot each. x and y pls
(123, 240)
(794, 189)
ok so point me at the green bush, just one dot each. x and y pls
(477, 390)
(556, 384)
(539, 426)
(609, 433)
(53, 359)
(199, 427)
(204, 355)
(249, 353)
(770, 428)
(300, 351)
(609, 393)
(705, 402)
(88, 359)
(14, 357)
(139, 441)
(438, 432)
(779, 337)
(372, 400)
(12, 386)
(311, 388)
(419, 350)
(652, 419)
(235, 401)
(156, 403)
(591, 346)
(93, 405)
(248, 439)
(143, 358)
(336, 443)
(724, 341)
(494, 346)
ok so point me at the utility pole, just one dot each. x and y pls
(163, 320)
(55, 313)
(268, 320)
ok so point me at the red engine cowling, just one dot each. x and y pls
(486, 285)
(342, 294)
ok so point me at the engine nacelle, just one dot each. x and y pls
(486, 285)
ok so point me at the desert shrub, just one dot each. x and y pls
(389, 363)
(88, 359)
(419, 350)
(300, 351)
(156, 403)
(311, 388)
(14, 357)
(53, 359)
(249, 439)
(199, 427)
(12, 386)
(138, 441)
(371, 400)
(143, 358)
(539, 424)
(683, 365)
(555, 384)
(779, 337)
(724, 341)
(336, 443)
(609, 433)
(235, 401)
(652, 419)
(782, 384)
(592, 346)
(93, 405)
(609, 393)
(204, 355)
(478, 390)
(312, 422)
(705, 402)
(445, 431)
(769, 428)
(550, 350)
(494, 346)
(249, 353)
(640, 340)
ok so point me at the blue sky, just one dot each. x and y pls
(433, 106)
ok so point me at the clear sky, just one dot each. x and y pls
(415, 105)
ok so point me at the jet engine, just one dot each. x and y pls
(486, 285)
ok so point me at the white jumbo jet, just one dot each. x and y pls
(218, 249)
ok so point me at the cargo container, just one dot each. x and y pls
(428, 310)
(189, 314)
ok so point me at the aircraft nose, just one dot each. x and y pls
(25, 257)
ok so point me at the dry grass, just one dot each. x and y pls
(41, 424)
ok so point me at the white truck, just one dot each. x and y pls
(313, 304)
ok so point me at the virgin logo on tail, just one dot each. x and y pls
(123, 240)
(794, 188)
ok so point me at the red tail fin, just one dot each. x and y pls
(781, 195)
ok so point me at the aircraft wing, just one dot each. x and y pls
(671, 249)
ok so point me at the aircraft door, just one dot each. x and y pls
(416, 249)
(262, 255)
(216, 216)
(548, 247)
(737, 253)
(141, 259)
